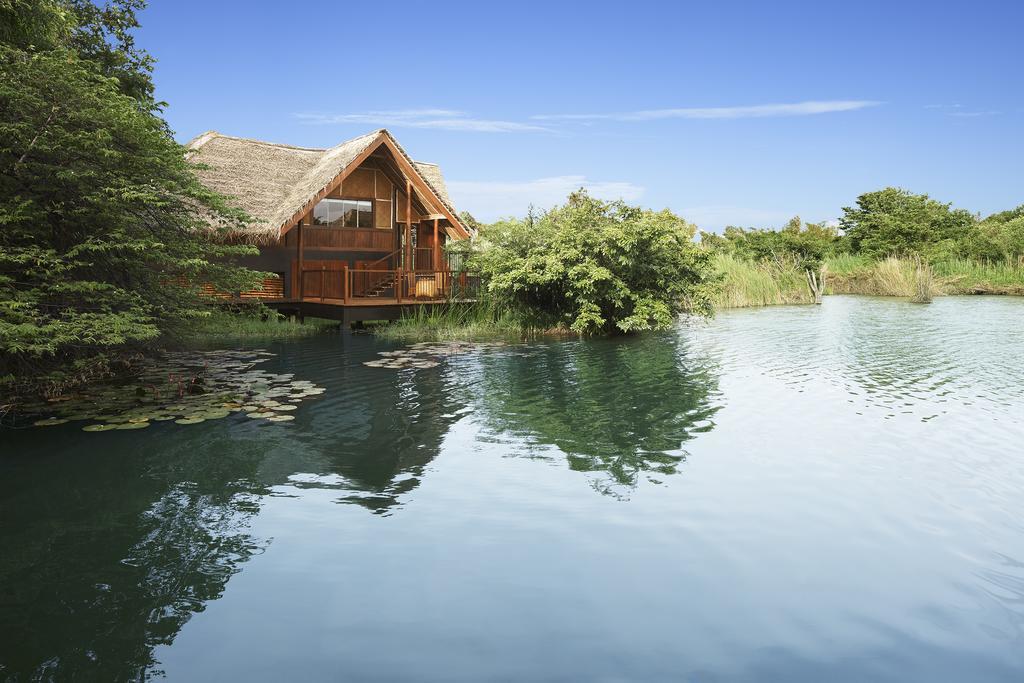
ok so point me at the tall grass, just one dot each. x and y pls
(248, 323)
(924, 282)
(747, 283)
(905, 277)
(458, 321)
(962, 276)
(889, 277)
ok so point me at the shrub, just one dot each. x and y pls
(597, 267)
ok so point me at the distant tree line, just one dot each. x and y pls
(889, 222)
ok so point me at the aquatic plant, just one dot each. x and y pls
(184, 387)
(425, 355)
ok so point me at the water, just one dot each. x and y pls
(794, 494)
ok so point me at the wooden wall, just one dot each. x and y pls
(369, 183)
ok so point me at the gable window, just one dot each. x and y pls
(343, 213)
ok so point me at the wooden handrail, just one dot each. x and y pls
(408, 285)
(384, 258)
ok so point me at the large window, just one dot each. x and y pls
(343, 213)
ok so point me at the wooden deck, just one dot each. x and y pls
(352, 295)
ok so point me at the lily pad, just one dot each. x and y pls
(100, 427)
(189, 421)
(49, 422)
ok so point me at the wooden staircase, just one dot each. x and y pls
(377, 289)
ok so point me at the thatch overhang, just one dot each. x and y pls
(276, 184)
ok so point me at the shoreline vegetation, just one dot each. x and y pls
(751, 284)
(252, 322)
(85, 293)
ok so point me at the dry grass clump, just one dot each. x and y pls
(889, 277)
(748, 283)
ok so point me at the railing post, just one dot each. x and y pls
(323, 281)
(399, 280)
(344, 283)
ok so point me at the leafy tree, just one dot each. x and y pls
(998, 237)
(896, 222)
(796, 244)
(597, 267)
(100, 213)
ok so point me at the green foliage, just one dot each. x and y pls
(1000, 237)
(98, 207)
(896, 222)
(597, 267)
(796, 245)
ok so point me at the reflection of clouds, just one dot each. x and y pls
(885, 354)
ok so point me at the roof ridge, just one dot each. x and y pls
(203, 138)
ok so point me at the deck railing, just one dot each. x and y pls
(365, 286)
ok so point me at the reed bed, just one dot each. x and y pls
(747, 283)
(962, 276)
(457, 322)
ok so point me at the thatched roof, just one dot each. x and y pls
(272, 182)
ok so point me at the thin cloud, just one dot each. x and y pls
(746, 112)
(957, 110)
(437, 119)
(973, 114)
(490, 200)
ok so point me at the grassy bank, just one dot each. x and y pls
(256, 323)
(458, 322)
(849, 274)
(748, 283)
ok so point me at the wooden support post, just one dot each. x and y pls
(344, 283)
(437, 247)
(300, 250)
(399, 281)
(323, 281)
(408, 224)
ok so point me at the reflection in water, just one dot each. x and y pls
(854, 512)
(120, 538)
(615, 408)
(106, 557)
(885, 355)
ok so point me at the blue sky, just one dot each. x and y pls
(742, 113)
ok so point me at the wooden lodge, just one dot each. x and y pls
(353, 232)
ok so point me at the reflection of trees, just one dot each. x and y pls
(373, 437)
(107, 555)
(109, 550)
(619, 407)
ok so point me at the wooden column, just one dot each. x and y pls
(300, 248)
(408, 224)
(437, 247)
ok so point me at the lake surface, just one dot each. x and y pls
(793, 494)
